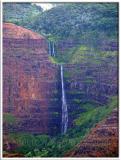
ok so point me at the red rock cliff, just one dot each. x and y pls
(30, 81)
(11, 30)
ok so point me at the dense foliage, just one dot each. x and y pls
(79, 20)
(9, 118)
(85, 21)
(20, 13)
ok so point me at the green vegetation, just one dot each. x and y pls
(95, 114)
(81, 54)
(56, 114)
(66, 56)
(88, 21)
(21, 14)
(53, 60)
(9, 118)
(74, 55)
(92, 56)
(77, 101)
(67, 74)
(47, 146)
(89, 81)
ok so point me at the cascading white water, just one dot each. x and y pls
(53, 50)
(64, 106)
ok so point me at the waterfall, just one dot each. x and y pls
(53, 50)
(64, 106)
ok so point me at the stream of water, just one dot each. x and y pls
(51, 48)
(64, 106)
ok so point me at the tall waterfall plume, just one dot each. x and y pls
(53, 49)
(64, 106)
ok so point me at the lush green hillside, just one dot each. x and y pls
(89, 22)
(20, 13)
(79, 20)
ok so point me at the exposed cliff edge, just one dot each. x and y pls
(11, 30)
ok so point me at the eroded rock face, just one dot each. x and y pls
(102, 140)
(89, 83)
(30, 89)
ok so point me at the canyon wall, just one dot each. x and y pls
(30, 83)
(91, 84)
